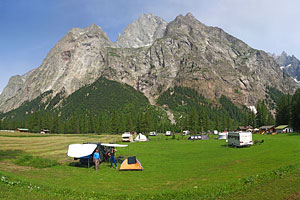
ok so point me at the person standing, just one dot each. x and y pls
(112, 157)
(96, 159)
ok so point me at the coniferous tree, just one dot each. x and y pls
(114, 123)
(295, 121)
(262, 113)
(283, 110)
(194, 121)
(129, 125)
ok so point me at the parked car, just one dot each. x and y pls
(186, 132)
(153, 133)
(168, 133)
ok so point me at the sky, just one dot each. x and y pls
(30, 28)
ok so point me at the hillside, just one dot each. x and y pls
(104, 106)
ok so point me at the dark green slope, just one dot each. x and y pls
(223, 115)
(104, 106)
(111, 107)
(103, 96)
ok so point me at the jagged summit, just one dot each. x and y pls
(142, 32)
(288, 64)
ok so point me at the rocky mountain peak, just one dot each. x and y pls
(289, 64)
(187, 25)
(142, 32)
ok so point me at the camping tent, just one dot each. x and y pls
(131, 164)
(141, 138)
(205, 137)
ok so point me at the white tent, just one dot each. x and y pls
(81, 150)
(141, 138)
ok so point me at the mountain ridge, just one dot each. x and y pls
(189, 54)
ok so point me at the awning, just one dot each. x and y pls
(114, 145)
(81, 150)
(281, 127)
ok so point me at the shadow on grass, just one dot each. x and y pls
(78, 164)
(92, 166)
(10, 154)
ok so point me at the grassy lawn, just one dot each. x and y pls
(173, 168)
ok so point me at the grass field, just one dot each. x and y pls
(173, 169)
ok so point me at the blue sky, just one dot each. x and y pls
(30, 28)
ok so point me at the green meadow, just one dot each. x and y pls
(173, 169)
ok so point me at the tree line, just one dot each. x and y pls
(86, 111)
(288, 110)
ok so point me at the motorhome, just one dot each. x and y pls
(239, 139)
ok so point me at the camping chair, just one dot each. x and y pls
(120, 159)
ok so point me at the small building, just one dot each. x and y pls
(22, 130)
(267, 129)
(245, 128)
(284, 129)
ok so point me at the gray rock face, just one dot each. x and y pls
(77, 59)
(289, 64)
(15, 84)
(189, 54)
(142, 32)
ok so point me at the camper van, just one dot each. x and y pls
(127, 137)
(239, 139)
(168, 133)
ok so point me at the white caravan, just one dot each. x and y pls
(239, 139)
(168, 133)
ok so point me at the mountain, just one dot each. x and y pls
(142, 32)
(188, 54)
(289, 64)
